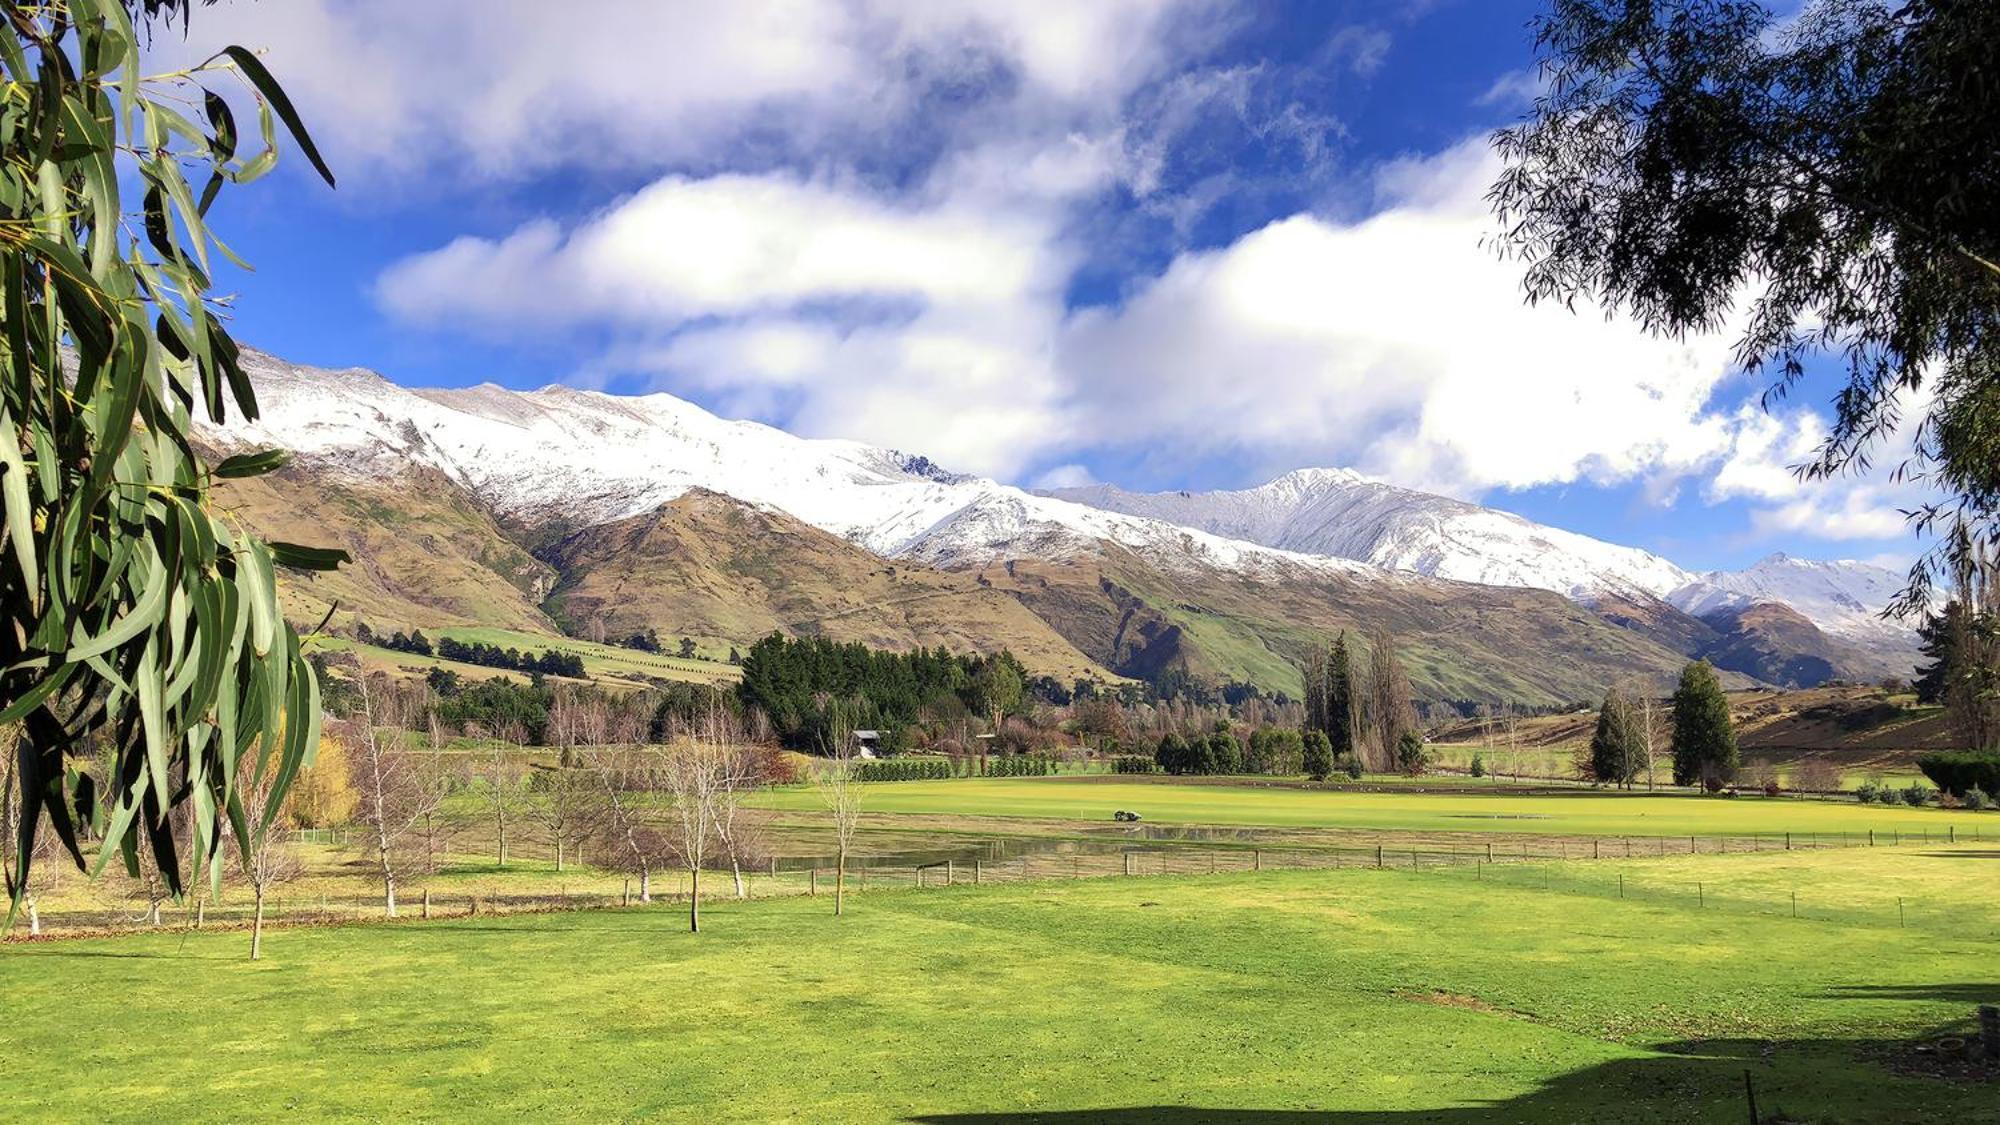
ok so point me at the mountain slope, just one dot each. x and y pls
(426, 554)
(650, 512)
(1845, 599)
(708, 565)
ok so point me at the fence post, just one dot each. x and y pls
(1871, 837)
(1951, 834)
(1700, 896)
(1489, 851)
(978, 871)
(950, 872)
(1594, 854)
(1899, 911)
(1256, 859)
(427, 902)
(1795, 904)
(1788, 841)
(812, 883)
(625, 897)
(1378, 856)
(1621, 884)
(1128, 863)
(1691, 847)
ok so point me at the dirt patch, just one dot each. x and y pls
(1452, 1000)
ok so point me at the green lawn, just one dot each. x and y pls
(1582, 813)
(1361, 995)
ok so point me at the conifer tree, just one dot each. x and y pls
(1704, 738)
(1341, 699)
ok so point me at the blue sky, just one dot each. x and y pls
(1166, 245)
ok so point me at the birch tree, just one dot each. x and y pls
(397, 794)
(838, 778)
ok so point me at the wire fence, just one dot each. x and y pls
(1556, 865)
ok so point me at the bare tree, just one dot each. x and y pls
(563, 796)
(1647, 718)
(691, 773)
(1389, 699)
(627, 839)
(268, 859)
(739, 772)
(396, 794)
(505, 777)
(838, 777)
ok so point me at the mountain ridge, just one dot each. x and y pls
(1123, 588)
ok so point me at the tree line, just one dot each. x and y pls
(548, 662)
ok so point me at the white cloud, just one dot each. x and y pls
(1065, 476)
(726, 245)
(505, 89)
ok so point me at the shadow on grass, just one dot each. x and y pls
(1871, 1080)
(1971, 993)
(1964, 853)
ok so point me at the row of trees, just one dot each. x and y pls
(1363, 712)
(1627, 741)
(548, 662)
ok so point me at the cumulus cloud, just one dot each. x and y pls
(935, 320)
(506, 89)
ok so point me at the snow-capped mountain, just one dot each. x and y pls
(565, 458)
(1346, 515)
(561, 456)
(1843, 598)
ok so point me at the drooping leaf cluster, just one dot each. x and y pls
(141, 628)
(1836, 167)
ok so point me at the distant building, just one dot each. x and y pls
(866, 742)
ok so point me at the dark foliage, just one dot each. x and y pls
(1841, 165)
(795, 682)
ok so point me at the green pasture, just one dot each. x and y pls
(1325, 996)
(609, 663)
(1584, 812)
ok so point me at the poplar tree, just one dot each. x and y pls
(1616, 750)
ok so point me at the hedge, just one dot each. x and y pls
(1956, 771)
(906, 769)
(1021, 765)
(1131, 763)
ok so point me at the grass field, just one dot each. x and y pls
(1356, 995)
(1580, 813)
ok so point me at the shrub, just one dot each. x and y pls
(1354, 767)
(1867, 792)
(1317, 755)
(1955, 771)
(1410, 753)
(1975, 798)
(1478, 766)
(1917, 795)
(1133, 763)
